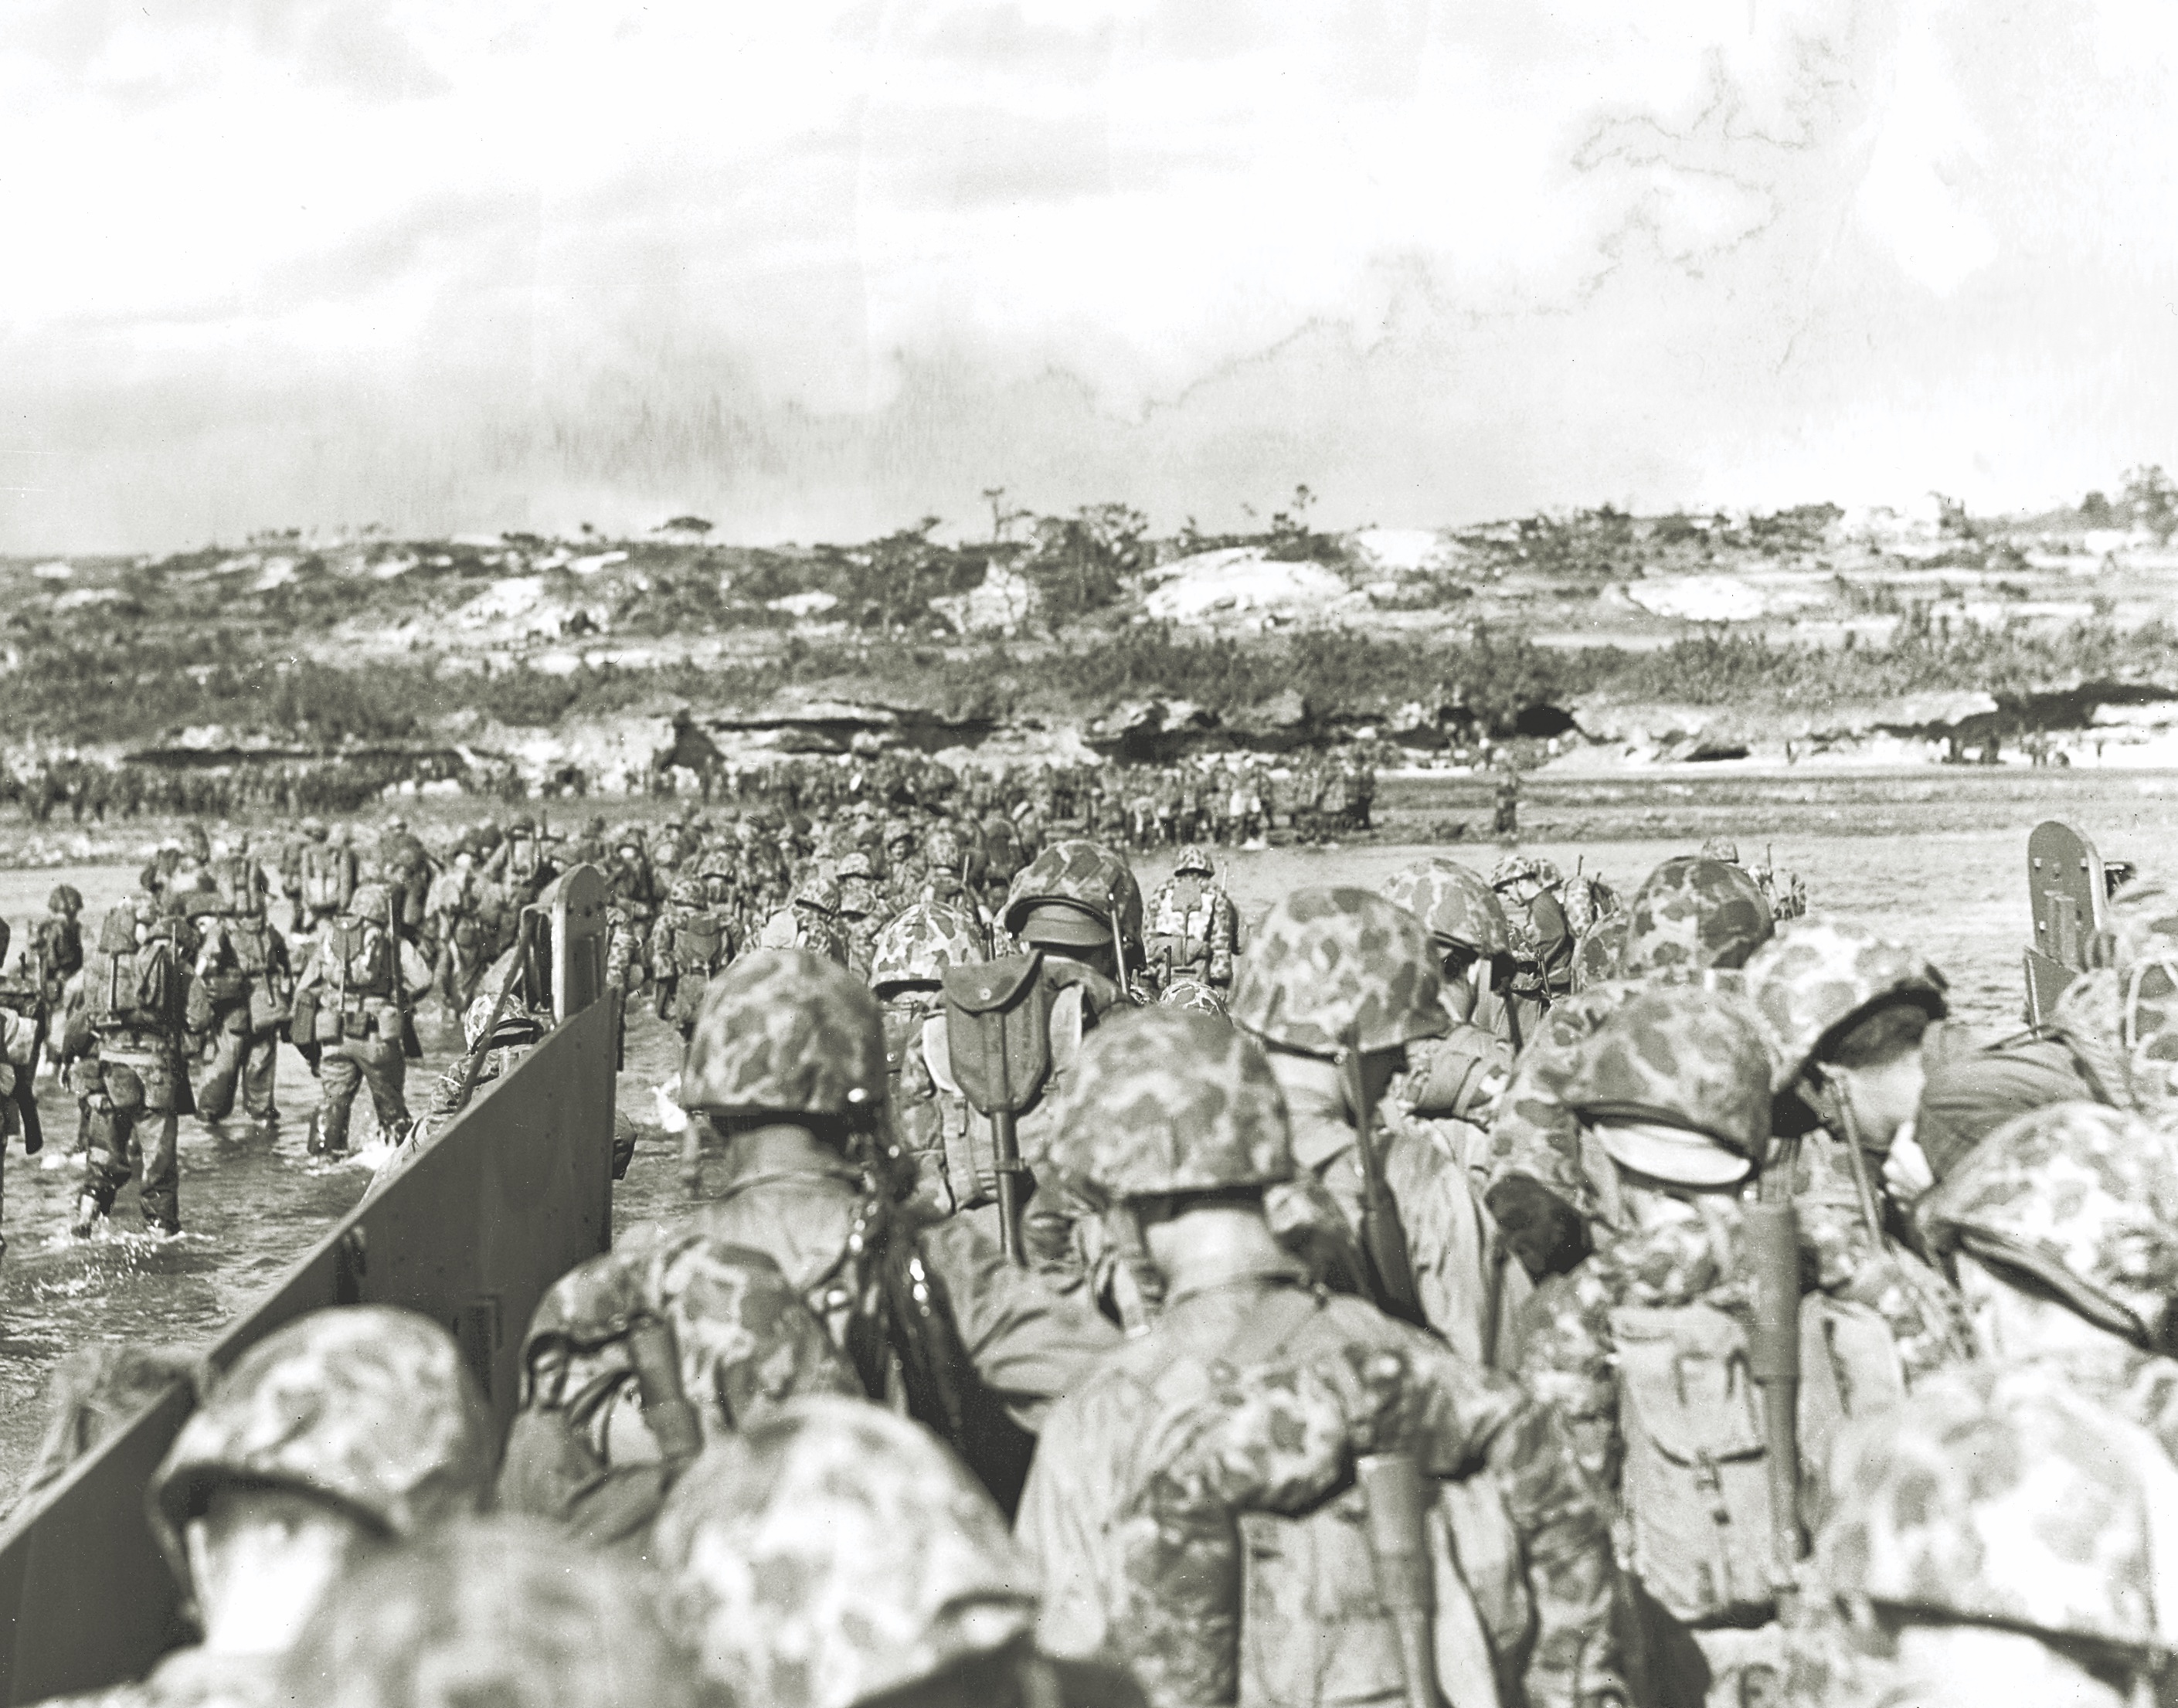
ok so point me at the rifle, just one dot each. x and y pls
(1398, 1541)
(411, 1046)
(1383, 1238)
(1773, 1357)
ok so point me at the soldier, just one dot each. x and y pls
(1177, 1122)
(1192, 929)
(1690, 920)
(788, 1065)
(1340, 981)
(639, 1357)
(327, 866)
(2062, 1228)
(690, 945)
(242, 970)
(1846, 1011)
(1529, 889)
(22, 1020)
(335, 1439)
(1643, 1348)
(354, 996)
(1457, 1079)
(631, 906)
(518, 1029)
(1998, 1542)
(1077, 908)
(125, 1032)
(836, 1555)
(523, 862)
(948, 1144)
(862, 912)
(494, 1610)
(811, 922)
(56, 944)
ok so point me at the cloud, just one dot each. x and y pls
(810, 270)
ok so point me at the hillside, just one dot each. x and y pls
(1627, 637)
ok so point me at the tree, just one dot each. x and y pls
(1002, 515)
(685, 524)
(2151, 498)
(1079, 562)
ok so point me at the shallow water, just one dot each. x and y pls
(1938, 860)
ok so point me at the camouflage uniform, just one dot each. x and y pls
(1690, 918)
(1191, 930)
(789, 1041)
(1529, 888)
(1073, 899)
(1240, 1405)
(946, 1141)
(863, 912)
(1340, 970)
(2077, 1203)
(368, 1409)
(1998, 1539)
(810, 923)
(582, 1453)
(1670, 1271)
(835, 1554)
(1811, 982)
(495, 1610)
(1456, 1081)
(690, 944)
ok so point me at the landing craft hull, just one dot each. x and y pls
(512, 1195)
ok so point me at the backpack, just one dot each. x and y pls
(239, 881)
(697, 938)
(126, 984)
(522, 858)
(1695, 1484)
(328, 875)
(359, 952)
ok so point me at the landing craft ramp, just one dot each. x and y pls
(515, 1192)
(2069, 894)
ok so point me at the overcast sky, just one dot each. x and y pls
(814, 270)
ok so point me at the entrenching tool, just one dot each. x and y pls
(998, 1030)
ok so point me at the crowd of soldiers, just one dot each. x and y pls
(1475, 1289)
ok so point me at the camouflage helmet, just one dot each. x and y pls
(1515, 869)
(1194, 858)
(1596, 953)
(1678, 1060)
(917, 947)
(1455, 903)
(748, 1341)
(1072, 881)
(818, 894)
(942, 848)
(1690, 915)
(897, 830)
(503, 1610)
(369, 900)
(516, 1025)
(1336, 969)
(687, 892)
(1164, 1100)
(856, 863)
(786, 1029)
(2084, 1199)
(837, 1553)
(1997, 1496)
(1721, 848)
(65, 898)
(2143, 922)
(368, 1407)
(1193, 995)
(1818, 976)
